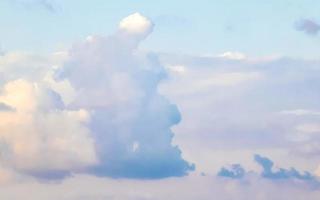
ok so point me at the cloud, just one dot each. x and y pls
(317, 172)
(40, 137)
(239, 116)
(49, 5)
(136, 24)
(31, 67)
(235, 171)
(94, 109)
(5, 108)
(300, 112)
(233, 55)
(187, 188)
(308, 26)
(103, 112)
(267, 172)
(130, 121)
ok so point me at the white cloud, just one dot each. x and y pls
(39, 135)
(233, 55)
(94, 109)
(27, 66)
(187, 80)
(136, 24)
(300, 112)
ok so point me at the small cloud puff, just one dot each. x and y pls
(137, 25)
(281, 173)
(236, 171)
(309, 26)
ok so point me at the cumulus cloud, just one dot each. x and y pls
(137, 25)
(30, 67)
(236, 171)
(281, 173)
(40, 137)
(130, 121)
(100, 109)
(94, 109)
(309, 26)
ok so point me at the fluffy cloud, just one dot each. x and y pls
(137, 25)
(94, 109)
(40, 137)
(130, 120)
(31, 67)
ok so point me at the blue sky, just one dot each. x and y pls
(175, 100)
(199, 27)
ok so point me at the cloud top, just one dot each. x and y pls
(136, 24)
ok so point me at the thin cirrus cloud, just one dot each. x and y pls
(49, 5)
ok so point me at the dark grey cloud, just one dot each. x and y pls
(309, 26)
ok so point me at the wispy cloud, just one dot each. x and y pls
(309, 26)
(49, 5)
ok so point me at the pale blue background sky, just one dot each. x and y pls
(107, 110)
(257, 28)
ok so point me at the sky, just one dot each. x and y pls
(208, 27)
(141, 100)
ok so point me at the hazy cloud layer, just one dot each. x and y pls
(188, 188)
(253, 105)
